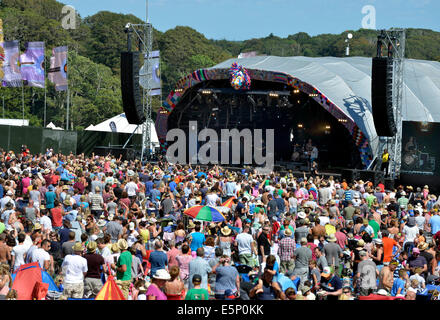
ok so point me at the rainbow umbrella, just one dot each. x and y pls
(228, 203)
(205, 213)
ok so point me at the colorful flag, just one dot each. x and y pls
(11, 66)
(32, 65)
(1, 31)
(2, 51)
(57, 73)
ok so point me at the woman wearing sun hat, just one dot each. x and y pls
(154, 292)
(225, 240)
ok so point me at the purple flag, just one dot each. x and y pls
(32, 65)
(57, 73)
(11, 66)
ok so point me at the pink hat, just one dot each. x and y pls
(416, 250)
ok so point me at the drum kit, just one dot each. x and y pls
(417, 160)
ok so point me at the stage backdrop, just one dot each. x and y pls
(420, 148)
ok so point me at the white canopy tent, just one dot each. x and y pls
(122, 126)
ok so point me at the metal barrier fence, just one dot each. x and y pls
(39, 139)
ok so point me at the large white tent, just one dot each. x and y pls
(122, 126)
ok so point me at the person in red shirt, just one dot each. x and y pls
(55, 178)
(57, 214)
(388, 245)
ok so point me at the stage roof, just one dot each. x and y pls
(347, 83)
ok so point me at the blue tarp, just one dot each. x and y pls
(46, 278)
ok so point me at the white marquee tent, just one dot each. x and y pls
(122, 126)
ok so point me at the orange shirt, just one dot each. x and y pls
(388, 245)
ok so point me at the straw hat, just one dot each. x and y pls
(226, 231)
(302, 215)
(66, 201)
(91, 246)
(37, 226)
(122, 244)
(287, 232)
(101, 223)
(191, 225)
(115, 247)
(77, 247)
(361, 243)
(332, 238)
(423, 246)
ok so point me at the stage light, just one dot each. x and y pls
(300, 125)
(343, 120)
(273, 95)
(206, 91)
(178, 90)
(296, 91)
(299, 101)
(215, 109)
(327, 127)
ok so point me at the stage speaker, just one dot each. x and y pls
(350, 175)
(131, 93)
(382, 97)
(389, 183)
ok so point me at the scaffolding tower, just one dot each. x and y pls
(396, 40)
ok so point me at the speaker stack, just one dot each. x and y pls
(382, 96)
(131, 93)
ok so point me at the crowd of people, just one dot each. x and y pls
(283, 237)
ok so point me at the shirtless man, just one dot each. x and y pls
(386, 276)
(5, 251)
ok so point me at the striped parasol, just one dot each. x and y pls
(205, 213)
(228, 203)
(110, 291)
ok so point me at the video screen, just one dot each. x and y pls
(420, 148)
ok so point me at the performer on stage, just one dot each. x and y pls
(385, 162)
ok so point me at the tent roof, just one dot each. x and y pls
(122, 126)
(347, 83)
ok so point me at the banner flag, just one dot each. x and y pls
(154, 71)
(11, 65)
(32, 65)
(2, 51)
(57, 73)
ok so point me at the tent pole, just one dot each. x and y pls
(129, 138)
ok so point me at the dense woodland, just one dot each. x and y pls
(96, 43)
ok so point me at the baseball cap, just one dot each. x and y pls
(197, 278)
(326, 272)
(416, 250)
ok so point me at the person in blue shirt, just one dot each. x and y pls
(399, 284)
(435, 223)
(158, 258)
(172, 184)
(50, 197)
(197, 238)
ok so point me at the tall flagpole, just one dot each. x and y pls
(22, 99)
(68, 92)
(44, 91)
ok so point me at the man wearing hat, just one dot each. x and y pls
(92, 281)
(286, 251)
(75, 267)
(123, 267)
(331, 284)
(333, 252)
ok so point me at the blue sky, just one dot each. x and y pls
(246, 19)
